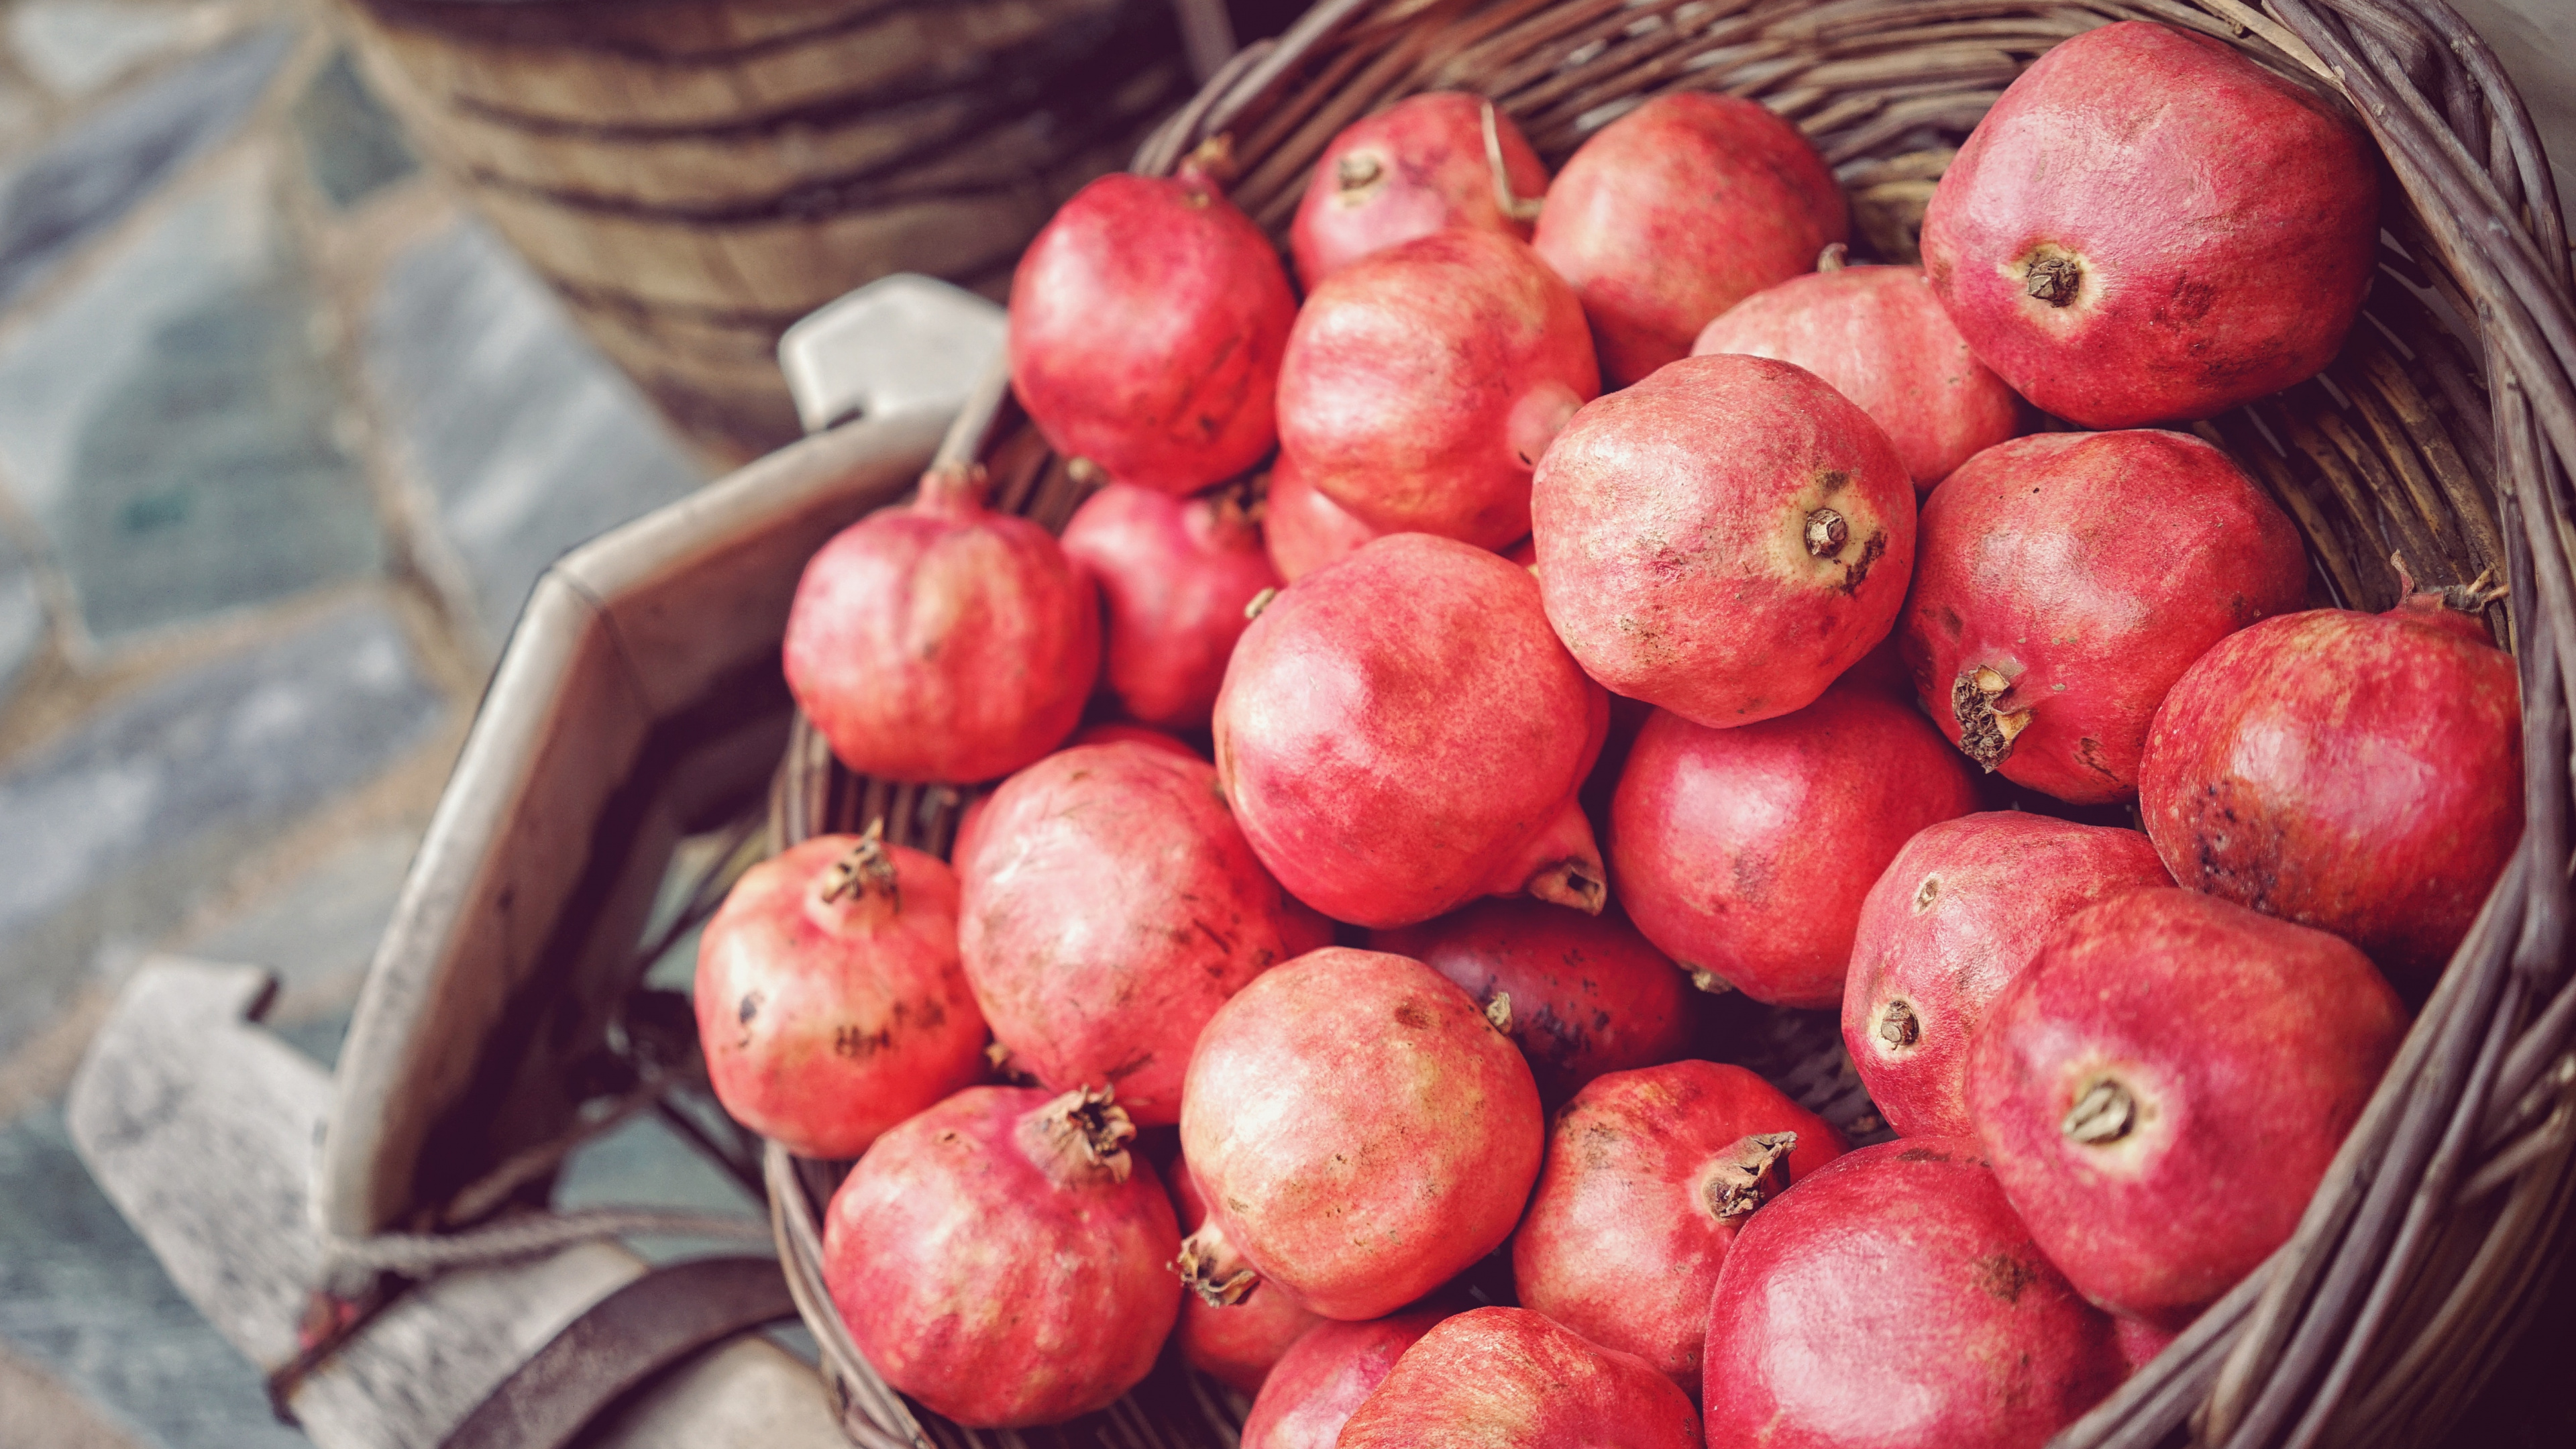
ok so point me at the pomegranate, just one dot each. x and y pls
(1000, 1257)
(2357, 773)
(1677, 211)
(1174, 575)
(942, 641)
(1114, 733)
(2141, 1341)
(1303, 529)
(1417, 167)
(1956, 916)
(1423, 382)
(1650, 1175)
(1892, 1301)
(1745, 854)
(1723, 539)
(1401, 734)
(1509, 1378)
(1234, 1332)
(1108, 905)
(2149, 226)
(1880, 338)
(1327, 1374)
(1360, 1133)
(2161, 1089)
(2064, 581)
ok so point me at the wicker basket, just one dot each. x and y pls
(2444, 433)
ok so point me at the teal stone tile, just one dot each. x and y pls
(353, 147)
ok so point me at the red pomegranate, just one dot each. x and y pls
(1326, 1375)
(2064, 581)
(1000, 1257)
(1174, 576)
(1112, 733)
(1957, 915)
(1892, 1301)
(1510, 1379)
(1880, 338)
(1417, 167)
(1423, 382)
(1677, 211)
(1108, 905)
(2161, 1089)
(1303, 529)
(1650, 1175)
(1360, 1132)
(2149, 226)
(1400, 734)
(2141, 1341)
(2357, 773)
(1745, 854)
(1234, 1331)
(942, 641)
(1723, 539)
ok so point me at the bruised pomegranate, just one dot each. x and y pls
(1000, 1257)
(1956, 916)
(1147, 320)
(1400, 734)
(1234, 1331)
(1174, 575)
(2161, 1089)
(1303, 529)
(942, 641)
(1108, 905)
(1326, 1375)
(2149, 226)
(1650, 1175)
(1423, 382)
(1745, 854)
(2064, 581)
(1677, 211)
(2357, 773)
(1892, 1301)
(1723, 539)
(1509, 1378)
(1417, 167)
(1360, 1132)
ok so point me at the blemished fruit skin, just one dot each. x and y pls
(829, 1000)
(2150, 227)
(1000, 1257)
(1108, 905)
(1415, 168)
(1723, 539)
(1174, 576)
(2354, 772)
(1302, 529)
(2064, 581)
(2161, 1089)
(1677, 211)
(1650, 1175)
(1508, 1378)
(1328, 1374)
(1237, 1342)
(1878, 336)
(1892, 1301)
(1958, 914)
(1423, 382)
(1400, 733)
(1745, 854)
(1360, 1132)
(942, 641)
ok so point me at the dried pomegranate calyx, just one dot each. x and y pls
(1986, 733)
(1211, 1268)
(1084, 1130)
(2105, 1113)
(1749, 1173)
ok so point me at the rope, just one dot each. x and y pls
(419, 1254)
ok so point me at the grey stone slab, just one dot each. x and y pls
(642, 1163)
(318, 928)
(77, 46)
(22, 617)
(353, 147)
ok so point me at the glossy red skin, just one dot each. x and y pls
(1303, 529)
(1400, 734)
(1423, 382)
(1174, 575)
(1108, 905)
(1588, 994)
(1328, 1374)
(1361, 1134)
(2140, 1341)
(1147, 322)
(2090, 569)
(1621, 1243)
(942, 641)
(1747, 852)
(2361, 774)
(1957, 915)
(1677, 211)
(1509, 1377)
(1432, 174)
(1236, 1343)
(2251, 1046)
(996, 1285)
(2227, 224)
(1892, 1301)
(1671, 520)
(1878, 336)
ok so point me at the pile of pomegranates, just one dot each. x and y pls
(1594, 596)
